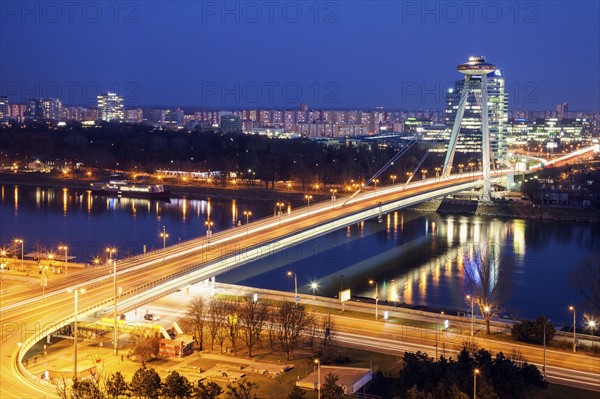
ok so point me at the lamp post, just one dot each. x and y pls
(333, 193)
(472, 313)
(393, 177)
(375, 181)
(475, 383)
(209, 223)
(20, 241)
(111, 251)
(572, 308)
(164, 235)
(544, 366)
(308, 197)
(280, 205)
(290, 273)
(247, 214)
(408, 176)
(592, 327)
(66, 249)
(373, 282)
(424, 173)
(76, 291)
(314, 285)
(318, 378)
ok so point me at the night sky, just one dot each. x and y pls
(331, 54)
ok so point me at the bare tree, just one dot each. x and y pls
(196, 313)
(292, 323)
(486, 275)
(586, 280)
(271, 324)
(218, 322)
(252, 317)
(328, 333)
(215, 316)
(233, 325)
(145, 346)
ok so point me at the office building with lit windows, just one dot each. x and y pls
(40, 109)
(4, 115)
(469, 139)
(111, 107)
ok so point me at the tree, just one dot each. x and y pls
(486, 275)
(145, 383)
(196, 313)
(297, 393)
(242, 390)
(210, 390)
(176, 386)
(330, 389)
(233, 325)
(116, 386)
(252, 317)
(216, 319)
(146, 347)
(586, 280)
(328, 333)
(85, 389)
(533, 331)
(292, 322)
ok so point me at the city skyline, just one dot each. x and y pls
(337, 55)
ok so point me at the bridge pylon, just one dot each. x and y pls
(475, 67)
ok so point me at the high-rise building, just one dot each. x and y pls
(111, 107)
(231, 124)
(469, 138)
(173, 117)
(562, 109)
(40, 109)
(133, 115)
(4, 116)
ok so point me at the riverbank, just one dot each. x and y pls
(189, 190)
(509, 209)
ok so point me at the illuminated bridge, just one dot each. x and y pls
(143, 278)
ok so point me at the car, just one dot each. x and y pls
(151, 317)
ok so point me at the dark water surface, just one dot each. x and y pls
(415, 258)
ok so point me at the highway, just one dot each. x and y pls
(28, 318)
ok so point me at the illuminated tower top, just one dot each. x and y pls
(476, 66)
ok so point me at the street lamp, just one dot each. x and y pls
(333, 193)
(290, 273)
(111, 251)
(76, 291)
(308, 197)
(572, 308)
(472, 313)
(592, 326)
(408, 176)
(318, 378)
(314, 285)
(375, 181)
(544, 366)
(20, 241)
(393, 177)
(209, 223)
(373, 282)
(475, 383)
(424, 173)
(66, 249)
(164, 235)
(247, 214)
(279, 205)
